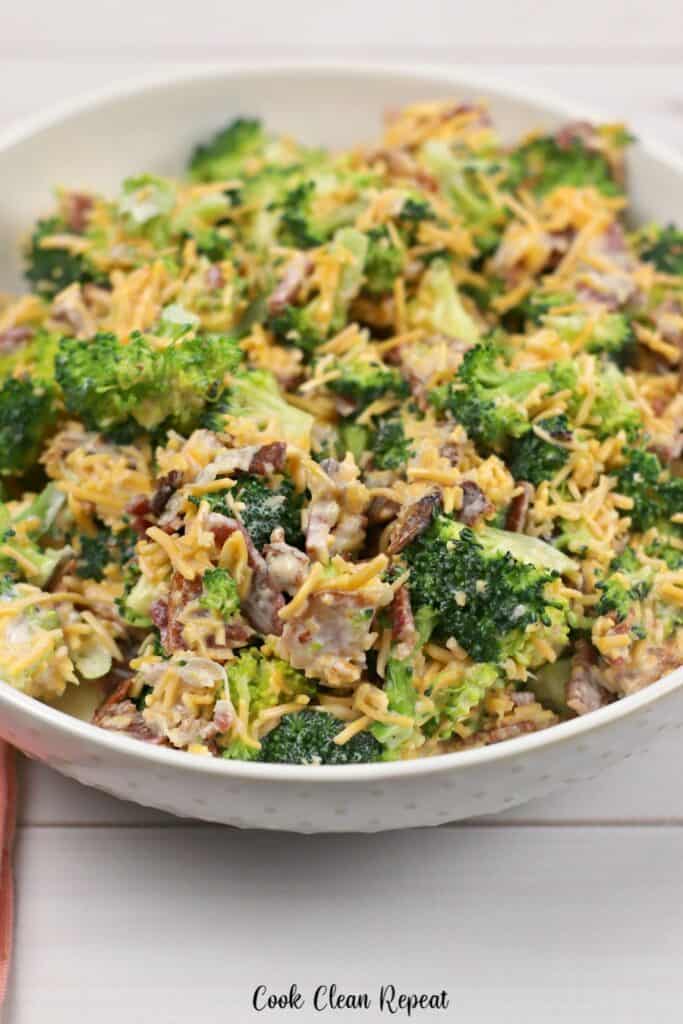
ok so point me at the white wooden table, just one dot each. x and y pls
(566, 909)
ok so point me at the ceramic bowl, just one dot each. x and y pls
(152, 125)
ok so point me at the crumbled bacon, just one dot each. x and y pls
(288, 288)
(475, 504)
(403, 630)
(167, 486)
(584, 689)
(11, 337)
(78, 209)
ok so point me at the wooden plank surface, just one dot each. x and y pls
(517, 925)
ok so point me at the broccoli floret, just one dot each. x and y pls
(438, 308)
(22, 537)
(145, 205)
(486, 395)
(27, 415)
(384, 262)
(257, 682)
(109, 385)
(219, 593)
(262, 508)
(307, 737)
(51, 269)
(228, 153)
(296, 226)
(543, 164)
(460, 176)
(254, 395)
(361, 382)
(353, 437)
(310, 325)
(613, 409)
(295, 325)
(487, 588)
(390, 447)
(610, 333)
(457, 702)
(656, 495)
(413, 212)
(34, 357)
(139, 594)
(663, 246)
(533, 458)
(94, 556)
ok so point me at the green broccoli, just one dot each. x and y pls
(543, 164)
(257, 682)
(662, 246)
(27, 416)
(457, 702)
(486, 588)
(35, 356)
(414, 211)
(228, 153)
(361, 383)
(51, 269)
(610, 333)
(296, 226)
(389, 445)
(655, 493)
(95, 552)
(219, 593)
(384, 262)
(263, 507)
(438, 308)
(307, 737)
(139, 594)
(301, 326)
(295, 325)
(254, 395)
(533, 458)
(146, 204)
(24, 555)
(109, 385)
(486, 395)
(614, 409)
(460, 176)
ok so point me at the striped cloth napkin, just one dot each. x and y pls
(7, 809)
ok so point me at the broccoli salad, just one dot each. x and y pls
(328, 458)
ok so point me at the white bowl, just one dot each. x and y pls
(152, 125)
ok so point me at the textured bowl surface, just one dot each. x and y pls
(152, 126)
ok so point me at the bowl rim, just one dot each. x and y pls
(62, 723)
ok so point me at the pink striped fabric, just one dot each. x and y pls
(7, 810)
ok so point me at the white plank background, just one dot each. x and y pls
(568, 908)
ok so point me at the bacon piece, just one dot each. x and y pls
(264, 600)
(413, 521)
(452, 451)
(270, 458)
(288, 288)
(78, 209)
(403, 630)
(475, 504)
(11, 337)
(214, 277)
(180, 593)
(584, 691)
(140, 511)
(517, 513)
(166, 487)
(286, 564)
(506, 732)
